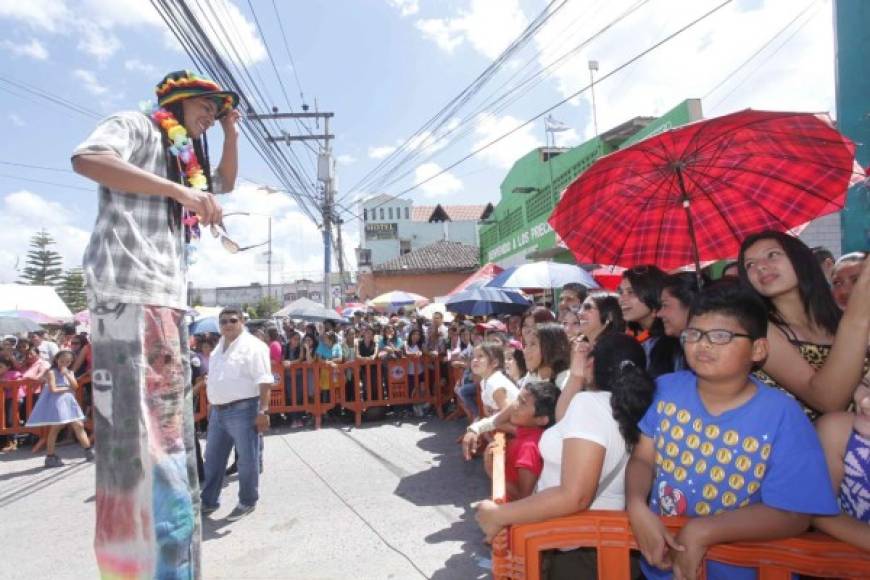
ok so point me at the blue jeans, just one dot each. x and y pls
(228, 427)
(468, 394)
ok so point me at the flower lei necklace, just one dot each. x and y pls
(182, 149)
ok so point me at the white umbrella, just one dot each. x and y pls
(543, 275)
(429, 310)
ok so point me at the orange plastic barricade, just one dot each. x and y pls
(516, 551)
(14, 412)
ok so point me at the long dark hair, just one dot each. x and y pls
(173, 168)
(618, 368)
(609, 312)
(815, 294)
(555, 347)
(647, 283)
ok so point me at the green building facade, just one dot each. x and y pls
(518, 230)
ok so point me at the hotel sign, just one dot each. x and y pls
(382, 231)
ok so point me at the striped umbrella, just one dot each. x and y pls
(392, 301)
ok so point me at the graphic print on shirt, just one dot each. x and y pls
(672, 501)
(702, 468)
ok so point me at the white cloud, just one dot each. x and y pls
(444, 184)
(95, 24)
(23, 214)
(90, 82)
(41, 14)
(380, 152)
(406, 7)
(296, 241)
(799, 77)
(136, 65)
(236, 30)
(33, 49)
(97, 41)
(445, 33)
(504, 153)
(489, 26)
(346, 159)
(16, 120)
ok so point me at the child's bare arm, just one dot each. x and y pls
(754, 523)
(653, 539)
(526, 482)
(846, 529)
(834, 430)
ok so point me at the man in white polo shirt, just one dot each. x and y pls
(238, 386)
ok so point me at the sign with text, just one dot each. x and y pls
(382, 231)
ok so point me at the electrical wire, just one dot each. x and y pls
(289, 54)
(506, 99)
(33, 90)
(43, 182)
(500, 138)
(770, 41)
(434, 124)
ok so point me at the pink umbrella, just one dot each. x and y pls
(83, 318)
(37, 317)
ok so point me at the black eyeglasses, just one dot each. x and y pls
(225, 321)
(714, 336)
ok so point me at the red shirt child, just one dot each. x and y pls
(522, 453)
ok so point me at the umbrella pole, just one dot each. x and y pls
(687, 203)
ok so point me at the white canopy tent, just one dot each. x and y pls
(37, 298)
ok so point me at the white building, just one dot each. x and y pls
(393, 227)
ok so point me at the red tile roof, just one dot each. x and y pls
(440, 256)
(456, 213)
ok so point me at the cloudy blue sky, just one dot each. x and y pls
(385, 67)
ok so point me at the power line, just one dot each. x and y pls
(51, 97)
(289, 54)
(625, 64)
(766, 59)
(6, 175)
(434, 124)
(43, 167)
(517, 92)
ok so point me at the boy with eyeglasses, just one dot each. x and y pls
(718, 446)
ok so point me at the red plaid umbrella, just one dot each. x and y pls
(694, 193)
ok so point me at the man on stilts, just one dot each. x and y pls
(156, 187)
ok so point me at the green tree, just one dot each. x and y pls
(72, 289)
(43, 265)
(267, 306)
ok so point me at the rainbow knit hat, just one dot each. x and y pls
(183, 84)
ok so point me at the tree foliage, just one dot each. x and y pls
(43, 265)
(267, 306)
(72, 289)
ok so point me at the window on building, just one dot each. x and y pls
(365, 215)
(390, 212)
(404, 247)
(407, 213)
(382, 213)
(364, 257)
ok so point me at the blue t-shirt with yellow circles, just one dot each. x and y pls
(764, 451)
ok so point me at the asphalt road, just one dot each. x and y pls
(389, 500)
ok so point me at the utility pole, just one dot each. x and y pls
(593, 68)
(340, 251)
(325, 174)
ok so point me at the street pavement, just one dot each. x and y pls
(389, 500)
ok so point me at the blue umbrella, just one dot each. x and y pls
(484, 301)
(205, 325)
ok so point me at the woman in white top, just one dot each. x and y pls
(585, 453)
(497, 391)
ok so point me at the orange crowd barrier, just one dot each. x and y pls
(313, 388)
(14, 414)
(517, 550)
